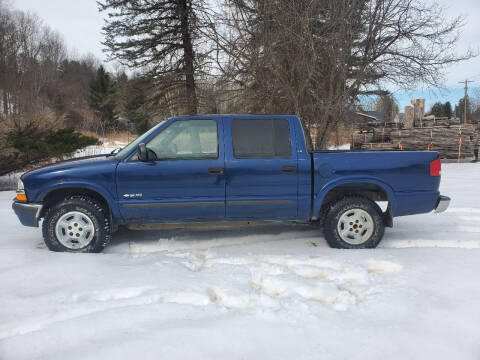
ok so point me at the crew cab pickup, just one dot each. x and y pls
(233, 169)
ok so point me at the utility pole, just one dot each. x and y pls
(465, 99)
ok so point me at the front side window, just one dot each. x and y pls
(261, 138)
(186, 139)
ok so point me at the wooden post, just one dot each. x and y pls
(460, 144)
(430, 145)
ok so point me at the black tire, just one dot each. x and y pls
(83, 204)
(342, 206)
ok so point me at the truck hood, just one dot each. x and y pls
(76, 163)
(96, 172)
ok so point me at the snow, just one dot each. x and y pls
(9, 181)
(340, 147)
(263, 292)
(106, 147)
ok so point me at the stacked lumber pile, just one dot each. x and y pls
(415, 131)
(452, 142)
(379, 146)
(371, 136)
(429, 122)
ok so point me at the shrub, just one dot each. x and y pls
(29, 140)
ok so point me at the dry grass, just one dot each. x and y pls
(110, 140)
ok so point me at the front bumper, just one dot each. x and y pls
(27, 213)
(442, 204)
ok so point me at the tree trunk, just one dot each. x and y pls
(188, 58)
(5, 103)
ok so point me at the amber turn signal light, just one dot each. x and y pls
(21, 197)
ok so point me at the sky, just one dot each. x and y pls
(470, 69)
(80, 24)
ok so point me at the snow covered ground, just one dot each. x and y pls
(274, 292)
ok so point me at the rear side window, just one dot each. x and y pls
(261, 138)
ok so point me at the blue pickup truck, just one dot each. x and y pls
(231, 169)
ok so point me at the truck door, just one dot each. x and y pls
(186, 181)
(261, 168)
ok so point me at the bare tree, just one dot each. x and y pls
(388, 106)
(314, 58)
(8, 50)
(30, 56)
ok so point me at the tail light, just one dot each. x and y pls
(435, 168)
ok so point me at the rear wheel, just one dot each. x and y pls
(76, 224)
(354, 222)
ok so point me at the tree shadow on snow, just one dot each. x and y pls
(205, 237)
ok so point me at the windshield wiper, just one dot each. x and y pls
(114, 152)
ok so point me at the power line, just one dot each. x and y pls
(465, 99)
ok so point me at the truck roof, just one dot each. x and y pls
(244, 116)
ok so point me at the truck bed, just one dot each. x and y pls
(403, 175)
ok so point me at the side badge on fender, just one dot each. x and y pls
(132, 196)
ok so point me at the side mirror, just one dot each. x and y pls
(142, 152)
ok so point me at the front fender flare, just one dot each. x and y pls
(108, 196)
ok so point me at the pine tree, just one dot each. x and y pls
(102, 100)
(460, 109)
(448, 110)
(160, 36)
(438, 109)
(442, 110)
(136, 108)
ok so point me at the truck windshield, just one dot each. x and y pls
(127, 149)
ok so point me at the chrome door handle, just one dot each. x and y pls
(289, 169)
(215, 170)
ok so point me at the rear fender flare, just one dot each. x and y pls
(318, 198)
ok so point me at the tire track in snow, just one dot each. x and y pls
(104, 300)
(274, 284)
(276, 280)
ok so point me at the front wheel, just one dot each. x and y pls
(76, 224)
(354, 222)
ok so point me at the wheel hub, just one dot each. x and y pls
(355, 226)
(74, 230)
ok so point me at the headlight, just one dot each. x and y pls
(20, 187)
(21, 196)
